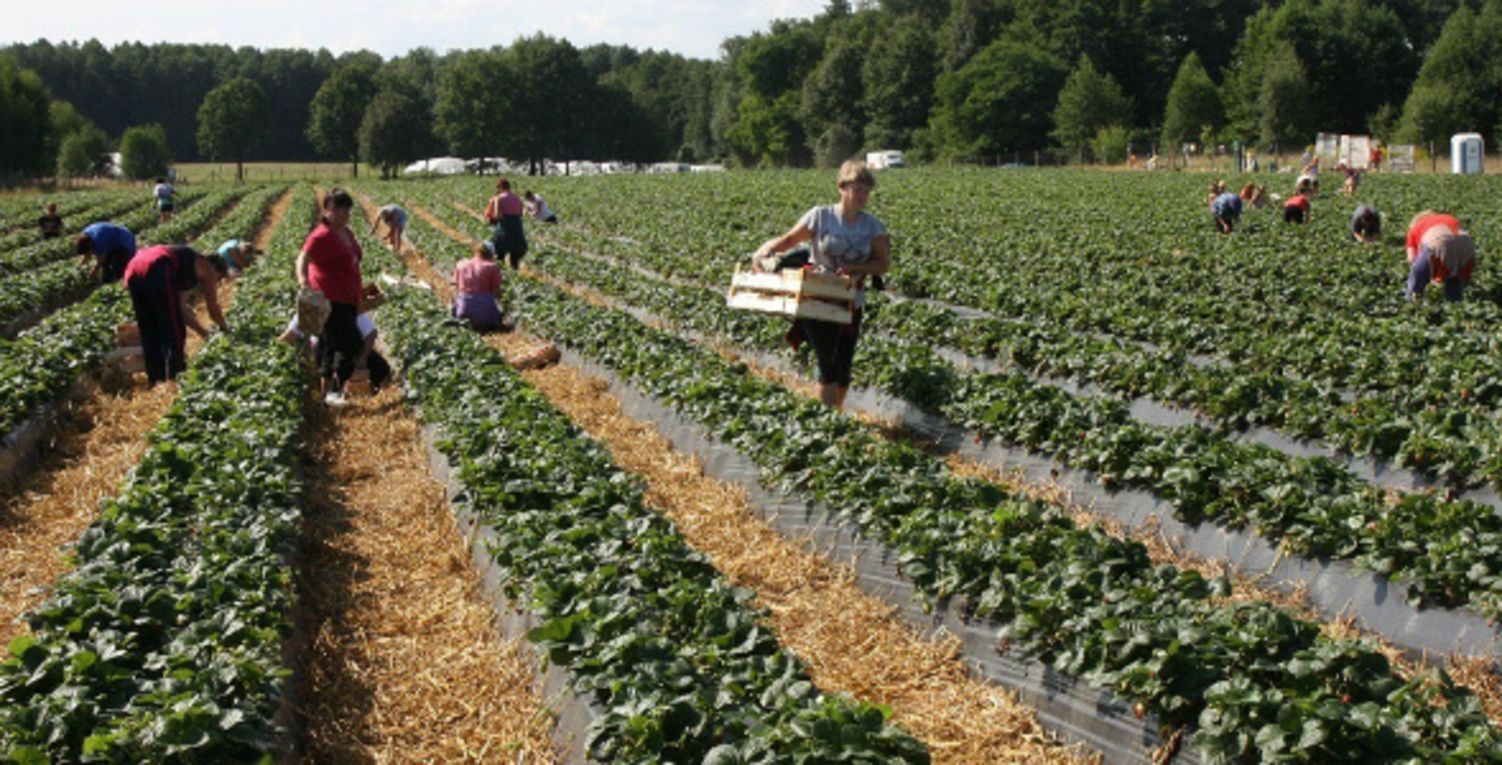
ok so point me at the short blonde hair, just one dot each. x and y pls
(856, 171)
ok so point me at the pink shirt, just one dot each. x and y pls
(502, 204)
(334, 265)
(477, 276)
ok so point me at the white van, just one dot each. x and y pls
(886, 158)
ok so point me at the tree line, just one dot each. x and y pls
(962, 80)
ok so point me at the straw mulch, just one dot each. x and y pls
(403, 662)
(851, 642)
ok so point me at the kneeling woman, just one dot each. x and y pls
(477, 285)
(844, 239)
(158, 277)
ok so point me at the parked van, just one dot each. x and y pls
(886, 158)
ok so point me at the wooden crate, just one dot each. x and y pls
(127, 360)
(795, 292)
(127, 335)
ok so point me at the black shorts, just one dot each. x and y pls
(834, 348)
(1294, 215)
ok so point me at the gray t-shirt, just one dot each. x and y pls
(835, 243)
(398, 215)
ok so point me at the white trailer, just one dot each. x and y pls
(885, 158)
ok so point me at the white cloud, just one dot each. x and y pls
(392, 27)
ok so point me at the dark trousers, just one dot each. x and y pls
(340, 344)
(158, 314)
(510, 240)
(834, 347)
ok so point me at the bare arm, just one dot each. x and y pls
(795, 236)
(211, 301)
(302, 268)
(188, 316)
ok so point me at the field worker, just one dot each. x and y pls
(50, 223)
(1309, 178)
(1226, 209)
(537, 207)
(1216, 189)
(1253, 196)
(166, 200)
(1353, 178)
(505, 213)
(1296, 209)
(111, 245)
(1366, 224)
(847, 240)
(330, 264)
(238, 255)
(395, 220)
(159, 278)
(477, 287)
(1439, 251)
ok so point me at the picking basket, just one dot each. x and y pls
(794, 292)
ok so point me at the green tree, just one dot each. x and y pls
(143, 152)
(83, 153)
(1193, 106)
(26, 146)
(393, 131)
(232, 121)
(1088, 102)
(969, 27)
(830, 103)
(1287, 115)
(1111, 144)
(470, 108)
(899, 76)
(337, 109)
(997, 103)
(1457, 88)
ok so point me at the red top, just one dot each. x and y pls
(1297, 200)
(334, 265)
(503, 204)
(1422, 225)
(179, 260)
(477, 277)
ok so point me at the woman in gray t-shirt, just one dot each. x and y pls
(844, 239)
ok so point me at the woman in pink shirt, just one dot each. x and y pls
(505, 213)
(330, 263)
(477, 284)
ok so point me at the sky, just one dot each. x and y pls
(392, 27)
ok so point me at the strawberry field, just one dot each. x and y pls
(1081, 416)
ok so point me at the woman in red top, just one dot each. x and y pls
(1439, 251)
(477, 284)
(1296, 209)
(330, 263)
(505, 212)
(157, 277)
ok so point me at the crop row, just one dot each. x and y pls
(38, 290)
(141, 219)
(82, 211)
(1255, 681)
(44, 361)
(679, 665)
(164, 644)
(18, 213)
(1449, 551)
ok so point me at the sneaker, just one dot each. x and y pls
(335, 399)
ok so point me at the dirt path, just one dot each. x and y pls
(97, 442)
(817, 610)
(404, 661)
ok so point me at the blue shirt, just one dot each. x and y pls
(224, 252)
(110, 238)
(1226, 205)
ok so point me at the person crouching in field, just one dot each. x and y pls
(1366, 224)
(505, 213)
(111, 246)
(1296, 209)
(477, 288)
(538, 208)
(1253, 196)
(238, 254)
(158, 279)
(51, 223)
(394, 218)
(1226, 209)
(1439, 251)
(844, 239)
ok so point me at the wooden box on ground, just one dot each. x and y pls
(127, 335)
(797, 293)
(358, 384)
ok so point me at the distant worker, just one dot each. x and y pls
(330, 264)
(111, 246)
(50, 223)
(159, 278)
(1308, 180)
(1374, 158)
(1253, 196)
(1296, 209)
(1366, 224)
(1216, 189)
(1353, 178)
(1226, 209)
(845, 240)
(1439, 251)
(477, 289)
(537, 207)
(395, 220)
(505, 213)
(166, 200)
(238, 255)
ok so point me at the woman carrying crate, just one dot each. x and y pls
(843, 239)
